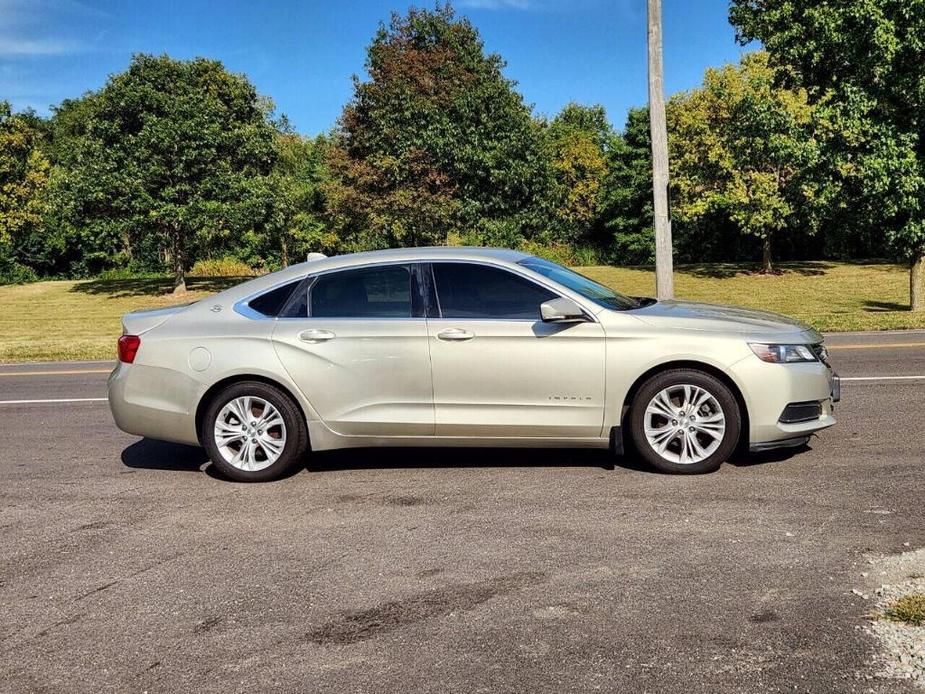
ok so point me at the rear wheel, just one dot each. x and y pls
(685, 421)
(253, 432)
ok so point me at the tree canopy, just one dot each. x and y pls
(865, 60)
(745, 148)
(436, 143)
(168, 154)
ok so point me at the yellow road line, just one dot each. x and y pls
(894, 345)
(70, 372)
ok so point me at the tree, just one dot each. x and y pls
(24, 171)
(298, 224)
(579, 140)
(435, 142)
(626, 196)
(170, 153)
(743, 147)
(866, 57)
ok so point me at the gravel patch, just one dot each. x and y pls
(902, 646)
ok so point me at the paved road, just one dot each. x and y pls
(127, 568)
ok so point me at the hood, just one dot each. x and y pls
(137, 322)
(692, 315)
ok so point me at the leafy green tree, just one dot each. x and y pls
(626, 198)
(298, 225)
(579, 140)
(170, 156)
(24, 172)
(864, 58)
(435, 143)
(743, 147)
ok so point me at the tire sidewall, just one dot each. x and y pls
(717, 389)
(292, 417)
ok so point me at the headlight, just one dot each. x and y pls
(782, 354)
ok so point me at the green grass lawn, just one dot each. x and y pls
(81, 320)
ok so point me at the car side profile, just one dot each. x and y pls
(464, 347)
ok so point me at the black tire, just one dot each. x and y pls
(680, 377)
(296, 431)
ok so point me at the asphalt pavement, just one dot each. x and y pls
(128, 565)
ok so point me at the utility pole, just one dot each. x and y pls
(664, 278)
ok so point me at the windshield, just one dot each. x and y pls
(598, 293)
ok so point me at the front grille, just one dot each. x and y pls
(801, 412)
(821, 352)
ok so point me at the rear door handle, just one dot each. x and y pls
(455, 334)
(314, 336)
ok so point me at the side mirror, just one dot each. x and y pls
(561, 310)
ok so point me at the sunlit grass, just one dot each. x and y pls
(828, 295)
(81, 320)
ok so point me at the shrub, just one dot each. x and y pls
(221, 267)
(12, 272)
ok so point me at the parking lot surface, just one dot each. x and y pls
(129, 566)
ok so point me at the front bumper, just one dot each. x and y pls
(769, 389)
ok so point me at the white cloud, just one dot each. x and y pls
(10, 47)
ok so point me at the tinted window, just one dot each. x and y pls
(270, 303)
(380, 292)
(476, 291)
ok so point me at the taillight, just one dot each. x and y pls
(128, 348)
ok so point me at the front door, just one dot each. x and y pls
(355, 343)
(499, 370)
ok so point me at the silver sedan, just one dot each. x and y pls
(464, 347)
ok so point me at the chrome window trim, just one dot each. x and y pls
(241, 306)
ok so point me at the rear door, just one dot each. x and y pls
(355, 343)
(499, 370)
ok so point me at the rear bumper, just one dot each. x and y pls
(154, 402)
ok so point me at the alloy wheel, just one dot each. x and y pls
(684, 424)
(250, 433)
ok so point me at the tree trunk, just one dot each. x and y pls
(284, 250)
(917, 283)
(664, 277)
(178, 238)
(766, 255)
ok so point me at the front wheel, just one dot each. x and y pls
(253, 432)
(685, 421)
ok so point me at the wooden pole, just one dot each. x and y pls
(664, 278)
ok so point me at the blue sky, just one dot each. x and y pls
(303, 52)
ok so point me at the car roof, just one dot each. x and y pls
(337, 262)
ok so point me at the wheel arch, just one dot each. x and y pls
(695, 365)
(220, 385)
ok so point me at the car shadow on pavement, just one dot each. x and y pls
(149, 454)
(406, 458)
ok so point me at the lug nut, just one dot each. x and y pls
(674, 422)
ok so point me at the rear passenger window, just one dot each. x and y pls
(272, 302)
(377, 292)
(466, 290)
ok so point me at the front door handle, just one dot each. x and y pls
(313, 336)
(455, 334)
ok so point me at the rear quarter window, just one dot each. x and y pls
(271, 303)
